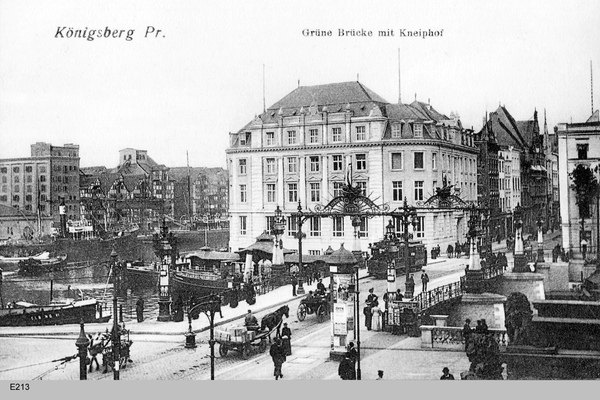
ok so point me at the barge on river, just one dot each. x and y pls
(58, 312)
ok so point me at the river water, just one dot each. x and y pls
(93, 280)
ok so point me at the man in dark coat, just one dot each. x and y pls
(346, 369)
(424, 281)
(178, 309)
(278, 355)
(139, 309)
(294, 282)
(447, 375)
(286, 339)
(466, 332)
(320, 287)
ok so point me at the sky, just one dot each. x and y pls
(185, 89)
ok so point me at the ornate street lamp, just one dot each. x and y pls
(391, 252)
(209, 308)
(407, 215)
(277, 230)
(540, 239)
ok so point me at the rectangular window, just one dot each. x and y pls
(361, 162)
(582, 150)
(293, 192)
(397, 161)
(420, 228)
(315, 226)
(270, 139)
(434, 161)
(292, 165)
(363, 230)
(337, 188)
(363, 187)
(242, 166)
(43, 188)
(397, 191)
(419, 190)
(315, 164)
(418, 130)
(244, 138)
(418, 160)
(361, 133)
(292, 226)
(28, 197)
(395, 130)
(292, 137)
(28, 188)
(314, 136)
(16, 170)
(337, 163)
(271, 193)
(28, 169)
(315, 192)
(314, 252)
(336, 134)
(3, 170)
(3, 198)
(338, 226)
(270, 166)
(270, 221)
(243, 195)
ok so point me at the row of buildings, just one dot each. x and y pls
(301, 150)
(35, 191)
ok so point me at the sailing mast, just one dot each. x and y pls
(189, 189)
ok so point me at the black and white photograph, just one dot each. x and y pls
(284, 191)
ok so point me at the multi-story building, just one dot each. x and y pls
(488, 187)
(137, 191)
(522, 138)
(305, 146)
(209, 190)
(578, 144)
(551, 152)
(40, 183)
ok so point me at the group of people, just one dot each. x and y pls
(372, 312)
(495, 261)
(457, 249)
(309, 280)
(467, 331)
(559, 252)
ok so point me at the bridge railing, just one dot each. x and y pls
(439, 294)
(451, 337)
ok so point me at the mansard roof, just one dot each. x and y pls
(328, 95)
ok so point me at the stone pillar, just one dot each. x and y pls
(530, 284)
(488, 306)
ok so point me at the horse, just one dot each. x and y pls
(96, 346)
(274, 319)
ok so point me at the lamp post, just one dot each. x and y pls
(407, 215)
(116, 338)
(391, 251)
(277, 229)
(540, 239)
(82, 345)
(209, 308)
(357, 293)
(300, 235)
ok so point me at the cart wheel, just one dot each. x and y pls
(222, 350)
(246, 351)
(321, 313)
(262, 347)
(301, 312)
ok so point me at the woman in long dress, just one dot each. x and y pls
(376, 318)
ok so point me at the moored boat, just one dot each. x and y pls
(35, 267)
(59, 312)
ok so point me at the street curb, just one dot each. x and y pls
(182, 333)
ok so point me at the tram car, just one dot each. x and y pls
(378, 262)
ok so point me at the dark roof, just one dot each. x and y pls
(342, 257)
(505, 129)
(328, 94)
(595, 117)
(306, 258)
(214, 174)
(214, 255)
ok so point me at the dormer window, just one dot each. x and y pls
(418, 129)
(245, 139)
(396, 130)
(360, 133)
(270, 139)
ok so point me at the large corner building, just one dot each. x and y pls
(304, 146)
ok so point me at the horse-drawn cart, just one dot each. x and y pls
(248, 343)
(318, 305)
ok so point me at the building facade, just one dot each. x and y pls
(40, 183)
(578, 144)
(302, 149)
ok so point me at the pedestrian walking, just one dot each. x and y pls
(286, 339)
(294, 281)
(352, 353)
(178, 309)
(346, 369)
(278, 355)
(466, 332)
(139, 309)
(447, 375)
(368, 317)
(424, 281)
